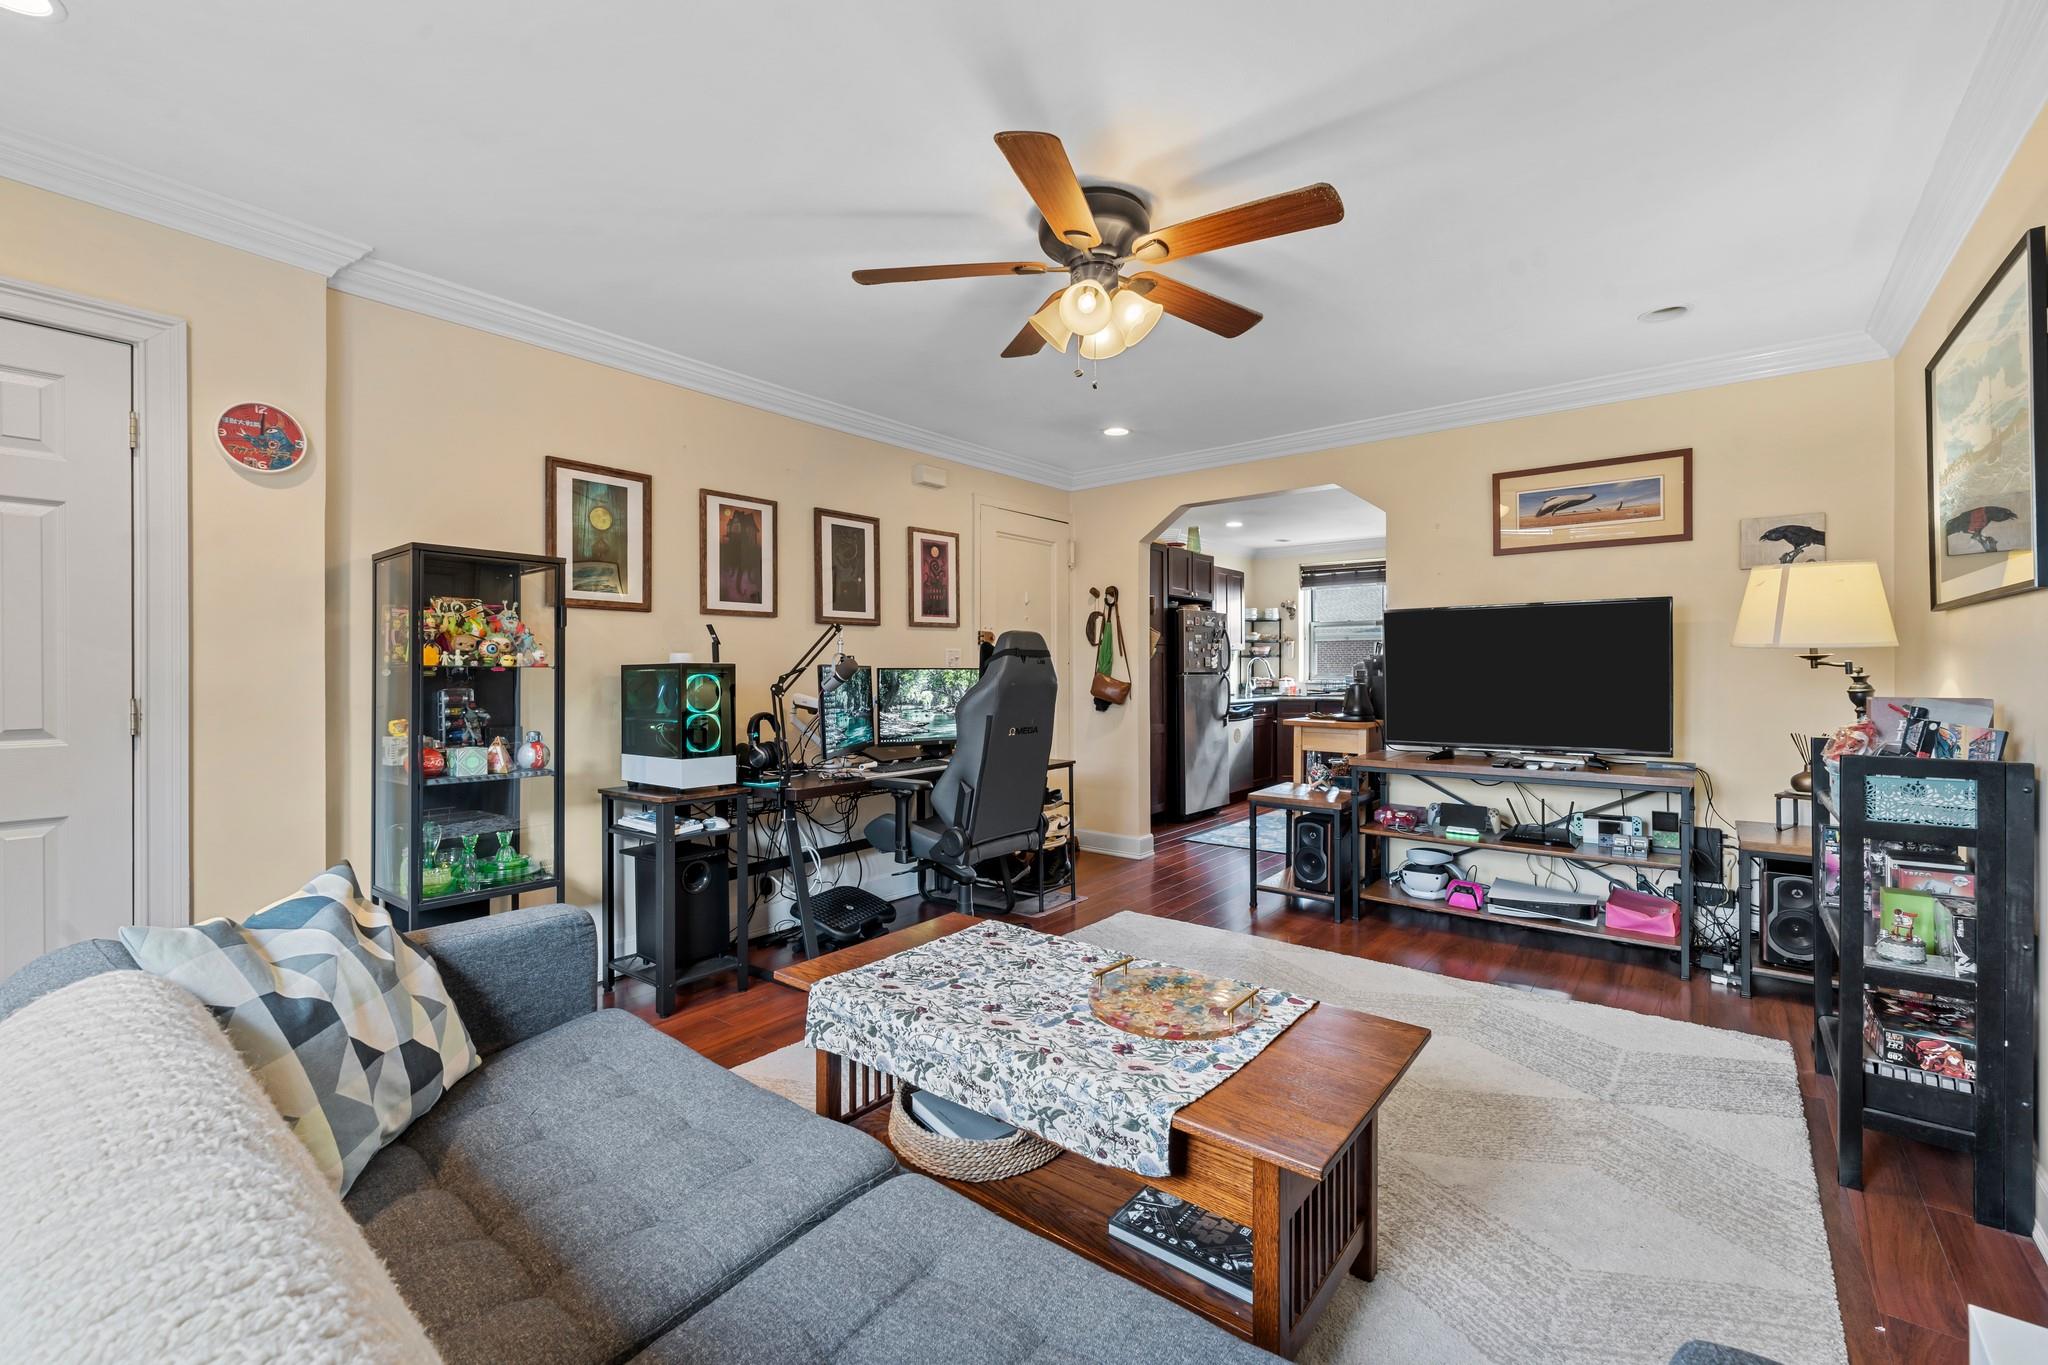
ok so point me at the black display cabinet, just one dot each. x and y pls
(1939, 1049)
(466, 704)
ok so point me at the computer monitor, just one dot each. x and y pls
(916, 705)
(846, 714)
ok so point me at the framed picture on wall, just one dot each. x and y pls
(601, 520)
(1987, 390)
(1629, 500)
(934, 577)
(737, 548)
(1788, 538)
(848, 568)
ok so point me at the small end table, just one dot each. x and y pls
(1338, 807)
(661, 969)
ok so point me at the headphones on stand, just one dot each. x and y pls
(761, 755)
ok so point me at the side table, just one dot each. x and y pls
(1337, 810)
(661, 970)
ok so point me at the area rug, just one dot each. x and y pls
(1232, 834)
(1561, 1181)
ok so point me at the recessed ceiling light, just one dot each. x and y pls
(1668, 313)
(1282, 540)
(34, 9)
(1233, 525)
(1116, 431)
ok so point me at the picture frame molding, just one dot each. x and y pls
(821, 568)
(1683, 456)
(2033, 247)
(557, 464)
(771, 556)
(915, 566)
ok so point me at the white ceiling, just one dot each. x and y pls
(689, 186)
(1291, 522)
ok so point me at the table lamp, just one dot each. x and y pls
(1828, 606)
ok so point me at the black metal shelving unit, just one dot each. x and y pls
(524, 807)
(1992, 1116)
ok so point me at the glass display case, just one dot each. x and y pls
(466, 703)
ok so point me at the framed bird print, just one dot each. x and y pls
(599, 519)
(1788, 538)
(1628, 500)
(1986, 393)
(934, 577)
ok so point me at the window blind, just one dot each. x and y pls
(1344, 575)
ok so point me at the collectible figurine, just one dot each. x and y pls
(533, 755)
(498, 758)
(432, 761)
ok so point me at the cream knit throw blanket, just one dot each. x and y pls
(153, 1205)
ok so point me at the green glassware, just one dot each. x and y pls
(468, 870)
(509, 868)
(437, 878)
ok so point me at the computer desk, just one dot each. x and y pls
(800, 789)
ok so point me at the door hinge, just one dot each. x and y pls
(134, 431)
(134, 717)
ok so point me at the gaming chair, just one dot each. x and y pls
(990, 799)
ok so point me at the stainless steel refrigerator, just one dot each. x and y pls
(1200, 711)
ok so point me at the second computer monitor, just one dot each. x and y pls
(916, 705)
(847, 712)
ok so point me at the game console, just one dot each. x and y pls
(1455, 820)
(1527, 900)
(1623, 834)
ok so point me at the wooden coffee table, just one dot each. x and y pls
(1288, 1146)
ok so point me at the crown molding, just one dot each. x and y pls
(382, 282)
(2000, 104)
(1371, 545)
(144, 194)
(1849, 348)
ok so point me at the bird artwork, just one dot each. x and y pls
(1797, 540)
(1976, 524)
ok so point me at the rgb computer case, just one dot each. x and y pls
(676, 726)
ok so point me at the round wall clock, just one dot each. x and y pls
(260, 437)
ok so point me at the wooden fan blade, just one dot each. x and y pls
(1041, 163)
(1297, 211)
(1028, 341)
(905, 273)
(1189, 304)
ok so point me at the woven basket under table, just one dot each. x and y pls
(959, 1158)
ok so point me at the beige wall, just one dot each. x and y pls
(444, 430)
(258, 662)
(1994, 649)
(1822, 439)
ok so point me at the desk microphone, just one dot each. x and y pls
(843, 669)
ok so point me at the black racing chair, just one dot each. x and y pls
(990, 801)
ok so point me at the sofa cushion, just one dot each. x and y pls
(911, 1273)
(155, 1205)
(588, 1188)
(347, 1026)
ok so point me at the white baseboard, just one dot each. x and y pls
(2041, 1210)
(1116, 845)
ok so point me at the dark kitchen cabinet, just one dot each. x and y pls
(1265, 745)
(1190, 577)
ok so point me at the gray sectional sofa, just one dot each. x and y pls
(598, 1192)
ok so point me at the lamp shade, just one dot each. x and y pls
(1836, 605)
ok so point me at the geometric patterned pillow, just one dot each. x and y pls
(347, 1027)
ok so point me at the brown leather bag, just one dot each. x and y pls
(1108, 689)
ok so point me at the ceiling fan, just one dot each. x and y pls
(1092, 233)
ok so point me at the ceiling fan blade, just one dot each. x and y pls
(1030, 341)
(906, 273)
(1041, 163)
(1189, 304)
(1296, 211)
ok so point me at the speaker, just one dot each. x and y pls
(703, 927)
(1790, 922)
(1311, 843)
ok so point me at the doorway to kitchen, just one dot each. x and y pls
(1264, 608)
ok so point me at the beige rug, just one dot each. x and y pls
(1562, 1181)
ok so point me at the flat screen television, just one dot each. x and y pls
(1545, 677)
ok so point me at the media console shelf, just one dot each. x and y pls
(1615, 786)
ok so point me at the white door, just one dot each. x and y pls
(67, 839)
(1021, 580)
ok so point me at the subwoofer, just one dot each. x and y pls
(1311, 842)
(703, 929)
(1790, 921)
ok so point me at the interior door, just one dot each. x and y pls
(1021, 577)
(67, 839)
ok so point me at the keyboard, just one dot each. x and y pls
(909, 767)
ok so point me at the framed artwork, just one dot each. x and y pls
(1794, 538)
(1630, 500)
(601, 521)
(934, 577)
(849, 568)
(737, 541)
(1986, 391)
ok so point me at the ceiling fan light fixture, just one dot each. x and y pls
(1136, 315)
(1046, 322)
(1084, 308)
(1103, 345)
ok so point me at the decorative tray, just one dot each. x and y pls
(1171, 1002)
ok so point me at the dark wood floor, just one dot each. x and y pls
(1907, 1255)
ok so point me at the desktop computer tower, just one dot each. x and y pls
(703, 919)
(676, 725)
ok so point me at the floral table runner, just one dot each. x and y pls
(996, 1018)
